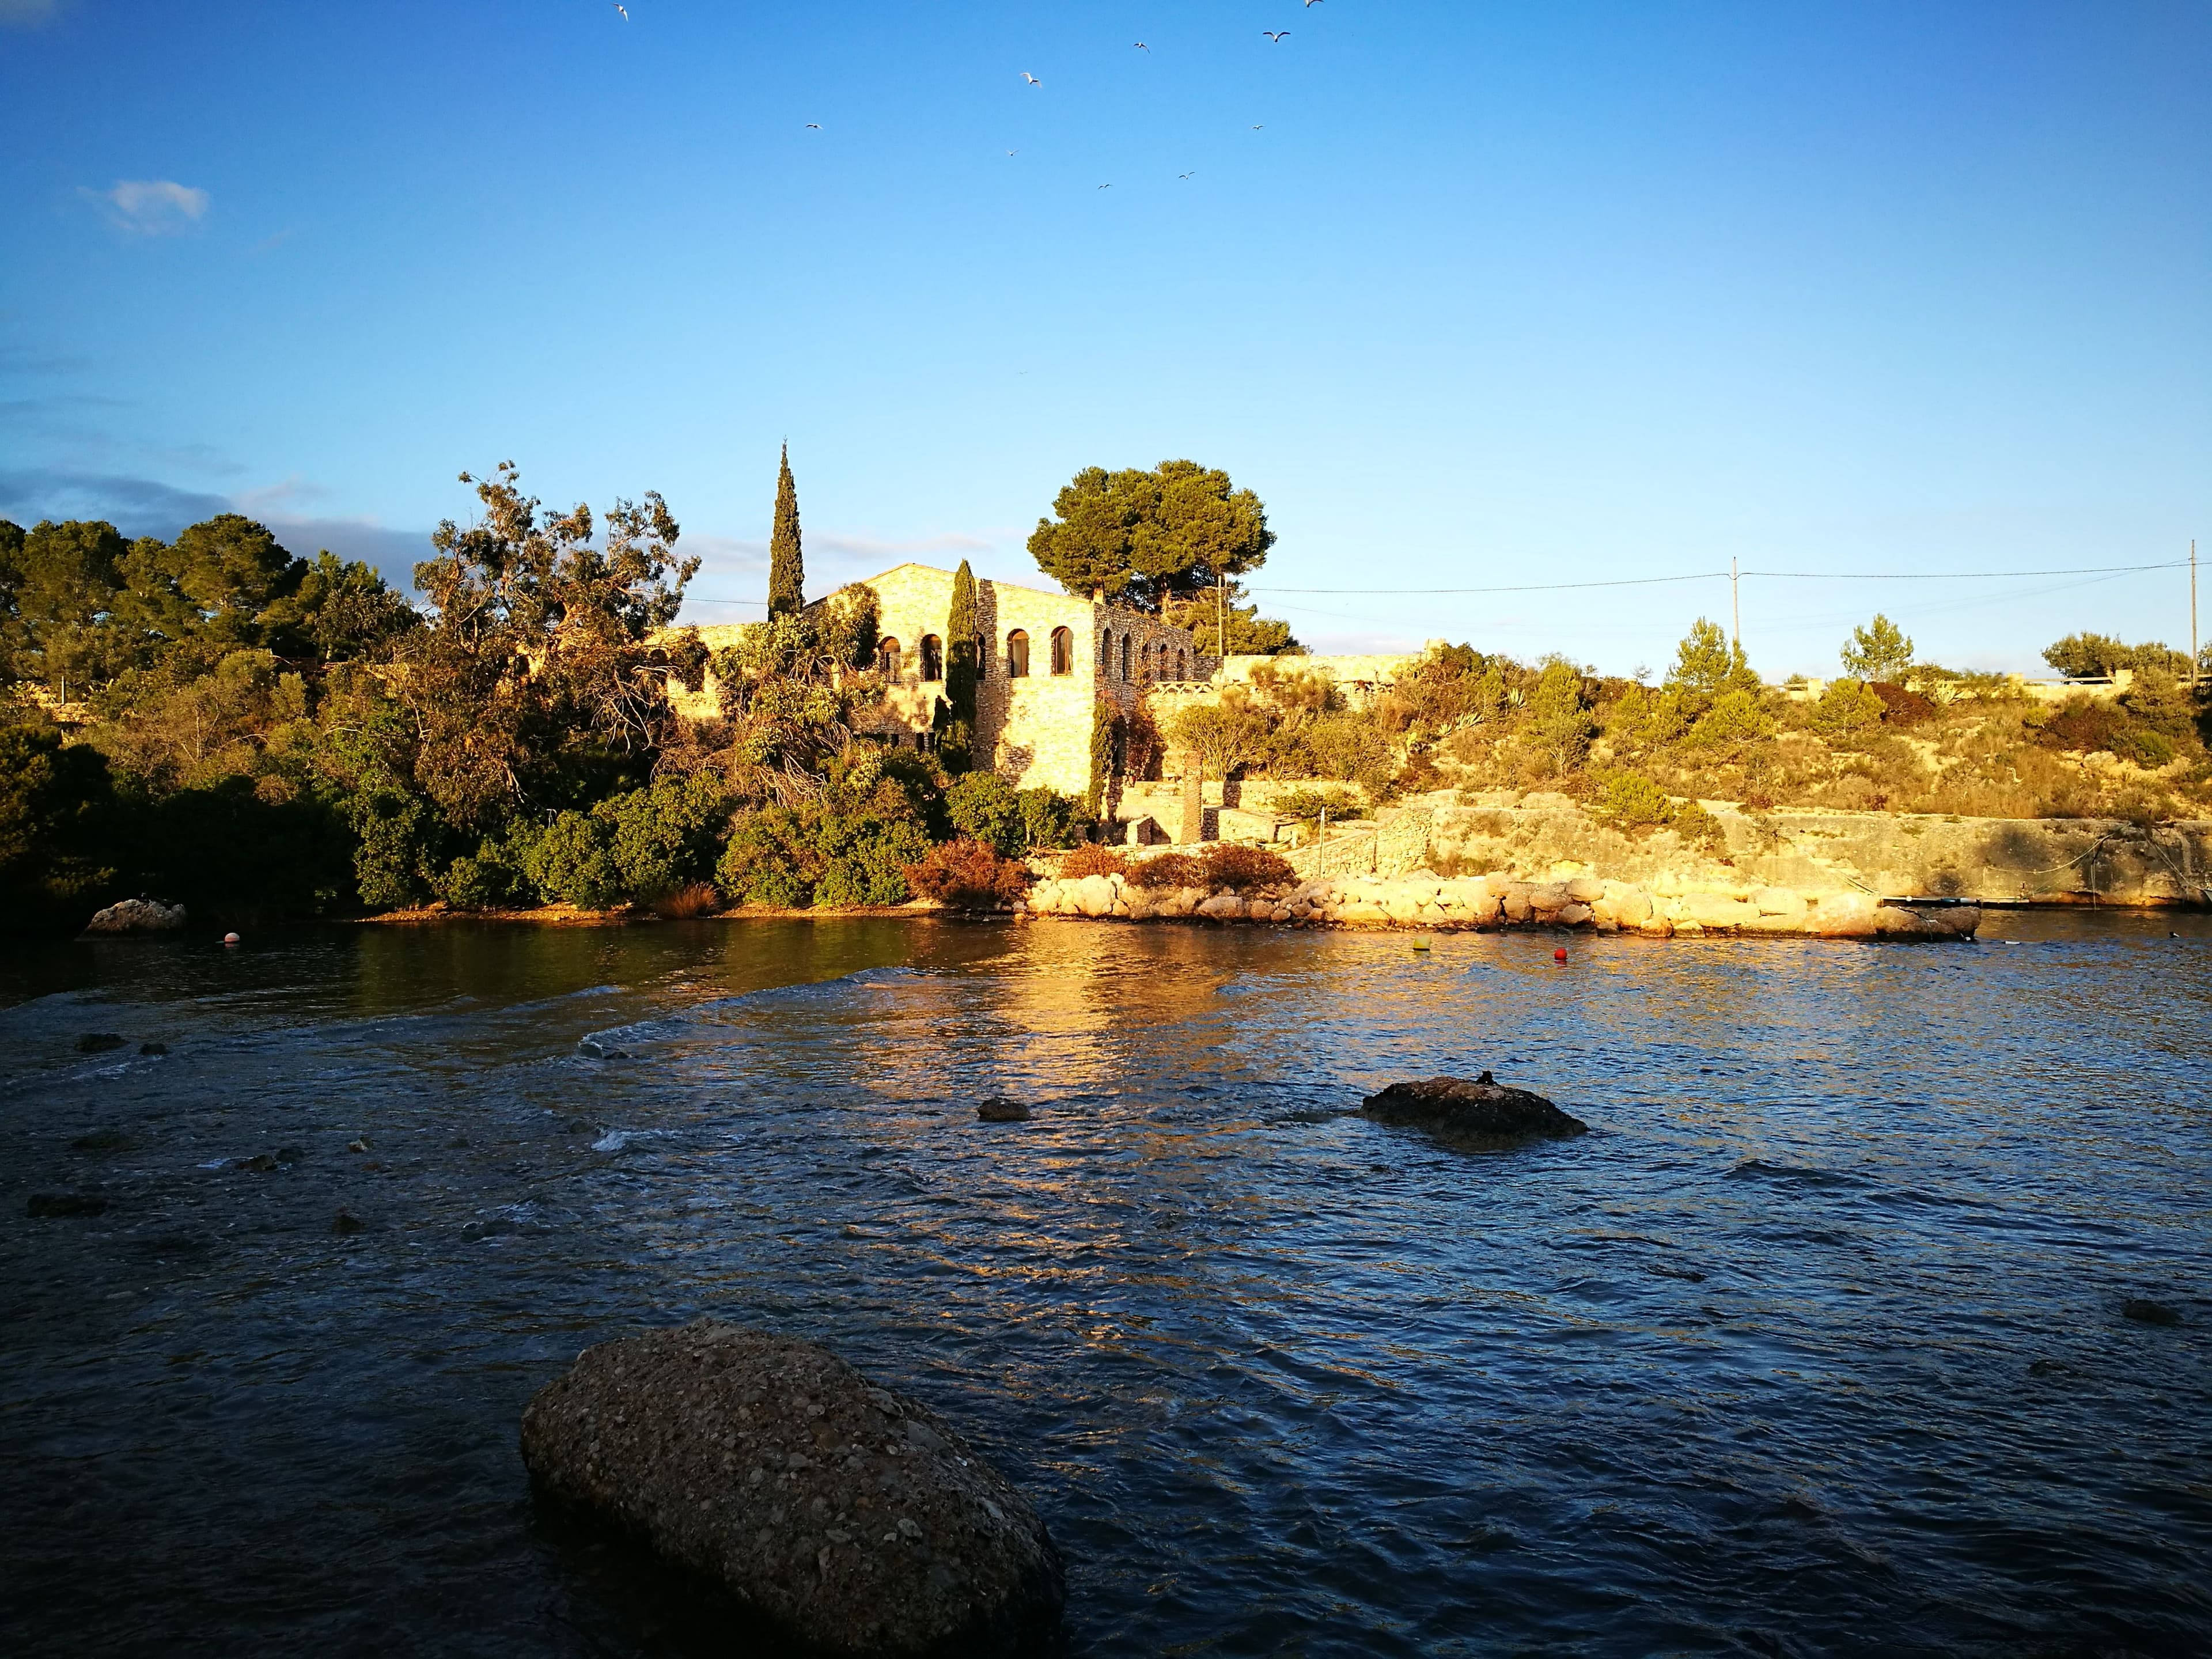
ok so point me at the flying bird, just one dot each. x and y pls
(814, 126)
(1257, 125)
(1105, 186)
(1141, 46)
(624, 10)
(1276, 35)
(1031, 79)
(1010, 151)
(1193, 174)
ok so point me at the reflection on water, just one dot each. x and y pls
(1813, 1347)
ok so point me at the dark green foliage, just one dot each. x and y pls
(1706, 666)
(394, 834)
(786, 567)
(1879, 651)
(1230, 629)
(850, 845)
(242, 852)
(1145, 538)
(2095, 656)
(1699, 828)
(1630, 801)
(629, 848)
(1108, 743)
(1734, 717)
(963, 658)
(57, 825)
(983, 806)
(1559, 726)
(1845, 707)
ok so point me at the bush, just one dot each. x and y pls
(983, 806)
(1901, 707)
(1306, 805)
(1734, 717)
(56, 808)
(1846, 707)
(1227, 864)
(1699, 828)
(968, 874)
(573, 862)
(1093, 861)
(1168, 870)
(1051, 819)
(822, 853)
(1631, 801)
(490, 878)
(699, 898)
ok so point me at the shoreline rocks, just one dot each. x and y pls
(848, 1516)
(1481, 1107)
(1573, 899)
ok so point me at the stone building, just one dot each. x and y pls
(1048, 661)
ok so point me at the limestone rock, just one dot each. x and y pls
(1222, 907)
(1548, 897)
(1717, 910)
(1481, 1107)
(856, 1519)
(1094, 896)
(137, 916)
(1574, 915)
(1779, 902)
(1585, 890)
(1842, 915)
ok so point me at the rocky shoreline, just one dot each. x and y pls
(1425, 900)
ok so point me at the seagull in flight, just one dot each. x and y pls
(1276, 35)
(1193, 174)
(814, 126)
(1010, 151)
(1141, 46)
(1031, 79)
(1105, 186)
(624, 10)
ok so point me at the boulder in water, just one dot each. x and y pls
(855, 1519)
(138, 915)
(1482, 1107)
(2144, 1311)
(98, 1042)
(1000, 1110)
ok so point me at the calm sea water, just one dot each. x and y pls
(1813, 1346)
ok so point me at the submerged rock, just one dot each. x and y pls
(854, 1518)
(98, 1042)
(998, 1110)
(45, 1204)
(2144, 1311)
(1482, 1107)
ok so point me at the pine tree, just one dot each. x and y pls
(786, 569)
(962, 666)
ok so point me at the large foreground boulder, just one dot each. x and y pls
(852, 1517)
(1481, 1107)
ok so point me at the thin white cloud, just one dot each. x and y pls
(151, 207)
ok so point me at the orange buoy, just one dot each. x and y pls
(1559, 955)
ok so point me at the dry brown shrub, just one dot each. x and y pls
(1168, 870)
(1091, 859)
(700, 898)
(1903, 707)
(1227, 864)
(969, 875)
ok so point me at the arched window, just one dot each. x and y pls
(887, 655)
(932, 658)
(1017, 655)
(1125, 656)
(1063, 652)
(1106, 652)
(1182, 665)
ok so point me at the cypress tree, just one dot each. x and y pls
(786, 569)
(962, 664)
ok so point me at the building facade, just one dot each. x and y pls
(1049, 661)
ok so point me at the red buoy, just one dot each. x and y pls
(1559, 955)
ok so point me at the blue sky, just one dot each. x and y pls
(1473, 295)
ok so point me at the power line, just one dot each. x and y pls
(1720, 575)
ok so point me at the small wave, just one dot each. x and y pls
(621, 1042)
(1757, 1169)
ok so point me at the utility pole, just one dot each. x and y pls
(2192, 613)
(1221, 614)
(1735, 611)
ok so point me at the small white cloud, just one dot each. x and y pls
(26, 14)
(151, 207)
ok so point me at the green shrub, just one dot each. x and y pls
(664, 838)
(490, 878)
(1631, 801)
(1734, 717)
(574, 862)
(1050, 819)
(57, 815)
(983, 806)
(1306, 805)
(1699, 828)
(1847, 706)
(821, 854)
